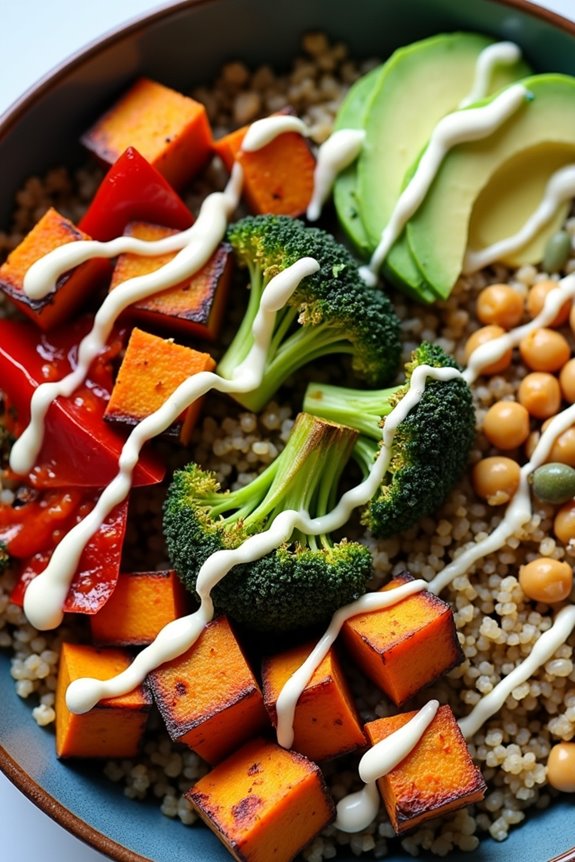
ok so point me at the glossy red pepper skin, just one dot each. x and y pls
(133, 190)
(37, 524)
(80, 449)
(98, 569)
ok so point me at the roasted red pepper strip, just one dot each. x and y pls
(133, 190)
(79, 449)
(37, 525)
(97, 572)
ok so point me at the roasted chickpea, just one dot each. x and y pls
(506, 424)
(540, 394)
(563, 449)
(544, 350)
(536, 300)
(531, 443)
(546, 580)
(496, 479)
(483, 336)
(567, 381)
(500, 304)
(561, 767)
(564, 523)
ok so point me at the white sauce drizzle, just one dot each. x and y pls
(501, 53)
(560, 188)
(357, 810)
(262, 132)
(83, 694)
(547, 644)
(456, 128)
(293, 688)
(45, 595)
(340, 150)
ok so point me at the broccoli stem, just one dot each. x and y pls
(303, 477)
(360, 409)
(242, 340)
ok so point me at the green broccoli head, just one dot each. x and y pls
(304, 581)
(331, 312)
(430, 448)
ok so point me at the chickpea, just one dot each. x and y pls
(540, 394)
(544, 350)
(531, 443)
(483, 336)
(500, 304)
(567, 381)
(564, 523)
(561, 767)
(572, 317)
(546, 580)
(496, 479)
(536, 300)
(563, 449)
(506, 424)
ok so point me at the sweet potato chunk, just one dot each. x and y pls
(196, 305)
(438, 776)
(208, 697)
(151, 370)
(278, 178)
(169, 129)
(264, 803)
(326, 723)
(114, 728)
(406, 646)
(141, 605)
(72, 288)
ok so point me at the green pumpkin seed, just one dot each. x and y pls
(554, 483)
(557, 251)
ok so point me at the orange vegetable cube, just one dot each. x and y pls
(326, 723)
(141, 604)
(264, 803)
(278, 178)
(208, 697)
(196, 305)
(72, 288)
(407, 646)
(436, 777)
(170, 130)
(151, 370)
(115, 727)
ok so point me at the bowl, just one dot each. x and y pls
(184, 44)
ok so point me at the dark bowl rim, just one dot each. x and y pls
(21, 779)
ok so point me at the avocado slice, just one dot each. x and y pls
(507, 200)
(419, 84)
(542, 127)
(351, 115)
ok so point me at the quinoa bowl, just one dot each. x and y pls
(79, 796)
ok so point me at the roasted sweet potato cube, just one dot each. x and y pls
(437, 776)
(169, 129)
(141, 604)
(407, 646)
(151, 370)
(72, 288)
(264, 803)
(278, 178)
(115, 727)
(208, 697)
(326, 723)
(196, 305)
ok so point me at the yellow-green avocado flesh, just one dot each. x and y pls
(418, 85)
(544, 123)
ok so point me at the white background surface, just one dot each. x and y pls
(37, 35)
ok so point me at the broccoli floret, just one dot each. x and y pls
(336, 312)
(305, 580)
(4, 558)
(430, 448)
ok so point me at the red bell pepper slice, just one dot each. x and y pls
(98, 569)
(80, 449)
(133, 190)
(38, 524)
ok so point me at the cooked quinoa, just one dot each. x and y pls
(497, 625)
